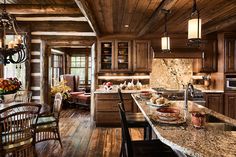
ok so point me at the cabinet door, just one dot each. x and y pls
(209, 56)
(142, 56)
(122, 56)
(230, 55)
(230, 105)
(105, 56)
(214, 101)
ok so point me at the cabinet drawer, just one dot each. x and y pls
(107, 118)
(104, 105)
(112, 96)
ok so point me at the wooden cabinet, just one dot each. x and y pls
(107, 113)
(230, 53)
(142, 56)
(122, 55)
(105, 55)
(209, 56)
(114, 55)
(230, 105)
(214, 101)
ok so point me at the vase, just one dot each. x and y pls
(7, 98)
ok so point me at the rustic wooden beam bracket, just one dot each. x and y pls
(157, 15)
(86, 10)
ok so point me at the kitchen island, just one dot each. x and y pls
(106, 108)
(217, 138)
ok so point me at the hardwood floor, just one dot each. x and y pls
(81, 138)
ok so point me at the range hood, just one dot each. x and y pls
(190, 53)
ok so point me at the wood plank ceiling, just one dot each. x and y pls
(144, 17)
(110, 17)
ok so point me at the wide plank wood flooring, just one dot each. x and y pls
(81, 138)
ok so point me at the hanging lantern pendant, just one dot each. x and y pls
(165, 40)
(194, 26)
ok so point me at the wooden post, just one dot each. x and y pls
(27, 63)
(93, 80)
(44, 73)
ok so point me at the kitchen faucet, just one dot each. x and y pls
(189, 88)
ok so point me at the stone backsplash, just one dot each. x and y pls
(171, 73)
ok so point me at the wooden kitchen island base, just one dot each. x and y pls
(106, 109)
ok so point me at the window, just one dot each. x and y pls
(81, 66)
(15, 70)
(56, 68)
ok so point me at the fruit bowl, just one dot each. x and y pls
(168, 113)
(145, 94)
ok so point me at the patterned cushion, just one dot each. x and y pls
(46, 122)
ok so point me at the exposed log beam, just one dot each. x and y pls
(67, 38)
(64, 43)
(42, 9)
(156, 16)
(68, 33)
(86, 10)
(57, 26)
(52, 18)
(217, 25)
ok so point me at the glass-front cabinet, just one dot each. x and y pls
(114, 55)
(106, 50)
(122, 58)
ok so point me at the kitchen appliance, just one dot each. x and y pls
(230, 82)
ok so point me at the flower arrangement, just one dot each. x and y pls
(62, 88)
(9, 85)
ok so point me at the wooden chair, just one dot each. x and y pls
(23, 96)
(136, 120)
(47, 126)
(145, 148)
(17, 130)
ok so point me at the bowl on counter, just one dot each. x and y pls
(168, 113)
(145, 94)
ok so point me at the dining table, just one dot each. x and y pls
(44, 108)
(216, 138)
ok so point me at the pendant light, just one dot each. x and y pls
(194, 25)
(165, 40)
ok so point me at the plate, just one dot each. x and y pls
(180, 120)
(156, 105)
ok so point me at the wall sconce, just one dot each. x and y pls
(165, 40)
(194, 26)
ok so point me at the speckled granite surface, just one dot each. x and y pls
(206, 142)
(114, 90)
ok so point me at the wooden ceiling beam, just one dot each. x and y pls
(42, 9)
(157, 15)
(86, 10)
(217, 25)
(57, 26)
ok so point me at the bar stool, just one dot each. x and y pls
(145, 148)
(136, 120)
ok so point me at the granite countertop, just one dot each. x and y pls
(114, 90)
(205, 142)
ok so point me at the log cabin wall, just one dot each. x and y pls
(36, 45)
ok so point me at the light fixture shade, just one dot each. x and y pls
(194, 29)
(165, 43)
